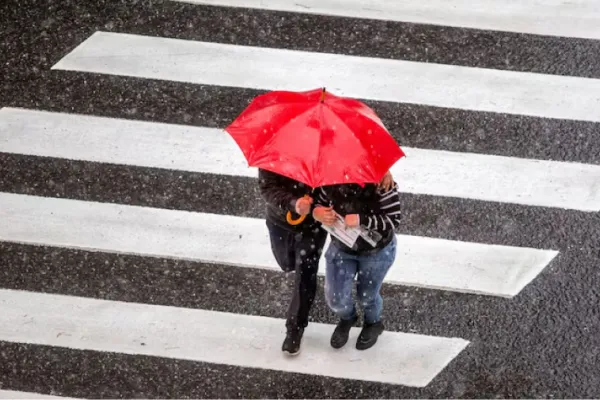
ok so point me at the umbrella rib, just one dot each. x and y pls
(317, 163)
(339, 120)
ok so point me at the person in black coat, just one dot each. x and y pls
(295, 247)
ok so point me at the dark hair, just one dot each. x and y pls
(353, 189)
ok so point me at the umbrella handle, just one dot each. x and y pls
(291, 221)
(298, 221)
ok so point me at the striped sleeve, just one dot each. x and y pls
(321, 198)
(389, 215)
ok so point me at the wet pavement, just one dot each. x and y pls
(542, 343)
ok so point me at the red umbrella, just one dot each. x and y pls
(315, 137)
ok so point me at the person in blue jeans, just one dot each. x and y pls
(369, 259)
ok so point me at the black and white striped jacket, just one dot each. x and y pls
(377, 210)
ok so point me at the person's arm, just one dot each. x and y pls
(387, 217)
(272, 189)
(323, 211)
(321, 198)
(386, 182)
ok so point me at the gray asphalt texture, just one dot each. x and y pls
(544, 343)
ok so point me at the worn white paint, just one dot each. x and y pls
(209, 150)
(217, 337)
(580, 19)
(262, 68)
(12, 394)
(224, 239)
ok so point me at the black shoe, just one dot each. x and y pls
(293, 339)
(368, 336)
(341, 332)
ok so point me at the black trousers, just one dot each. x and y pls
(300, 252)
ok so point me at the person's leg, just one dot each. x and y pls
(339, 280)
(371, 272)
(308, 247)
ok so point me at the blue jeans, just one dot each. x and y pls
(339, 280)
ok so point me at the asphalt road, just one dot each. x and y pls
(542, 343)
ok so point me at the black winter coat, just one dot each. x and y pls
(280, 194)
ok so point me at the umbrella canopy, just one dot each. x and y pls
(315, 137)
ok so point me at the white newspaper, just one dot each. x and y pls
(345, 234)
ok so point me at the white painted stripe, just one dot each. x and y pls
(12, 394)
(208, 150)
(579, 19)
(217, 337)
(440, 85)
(224, 239)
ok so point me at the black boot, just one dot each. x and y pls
(369, 334)
(341, 332)
(293, 339)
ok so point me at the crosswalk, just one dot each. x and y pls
(85, 296)
(201, 149)
(362, 77)
(572, 19)
(13, 394)
(470, 267)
